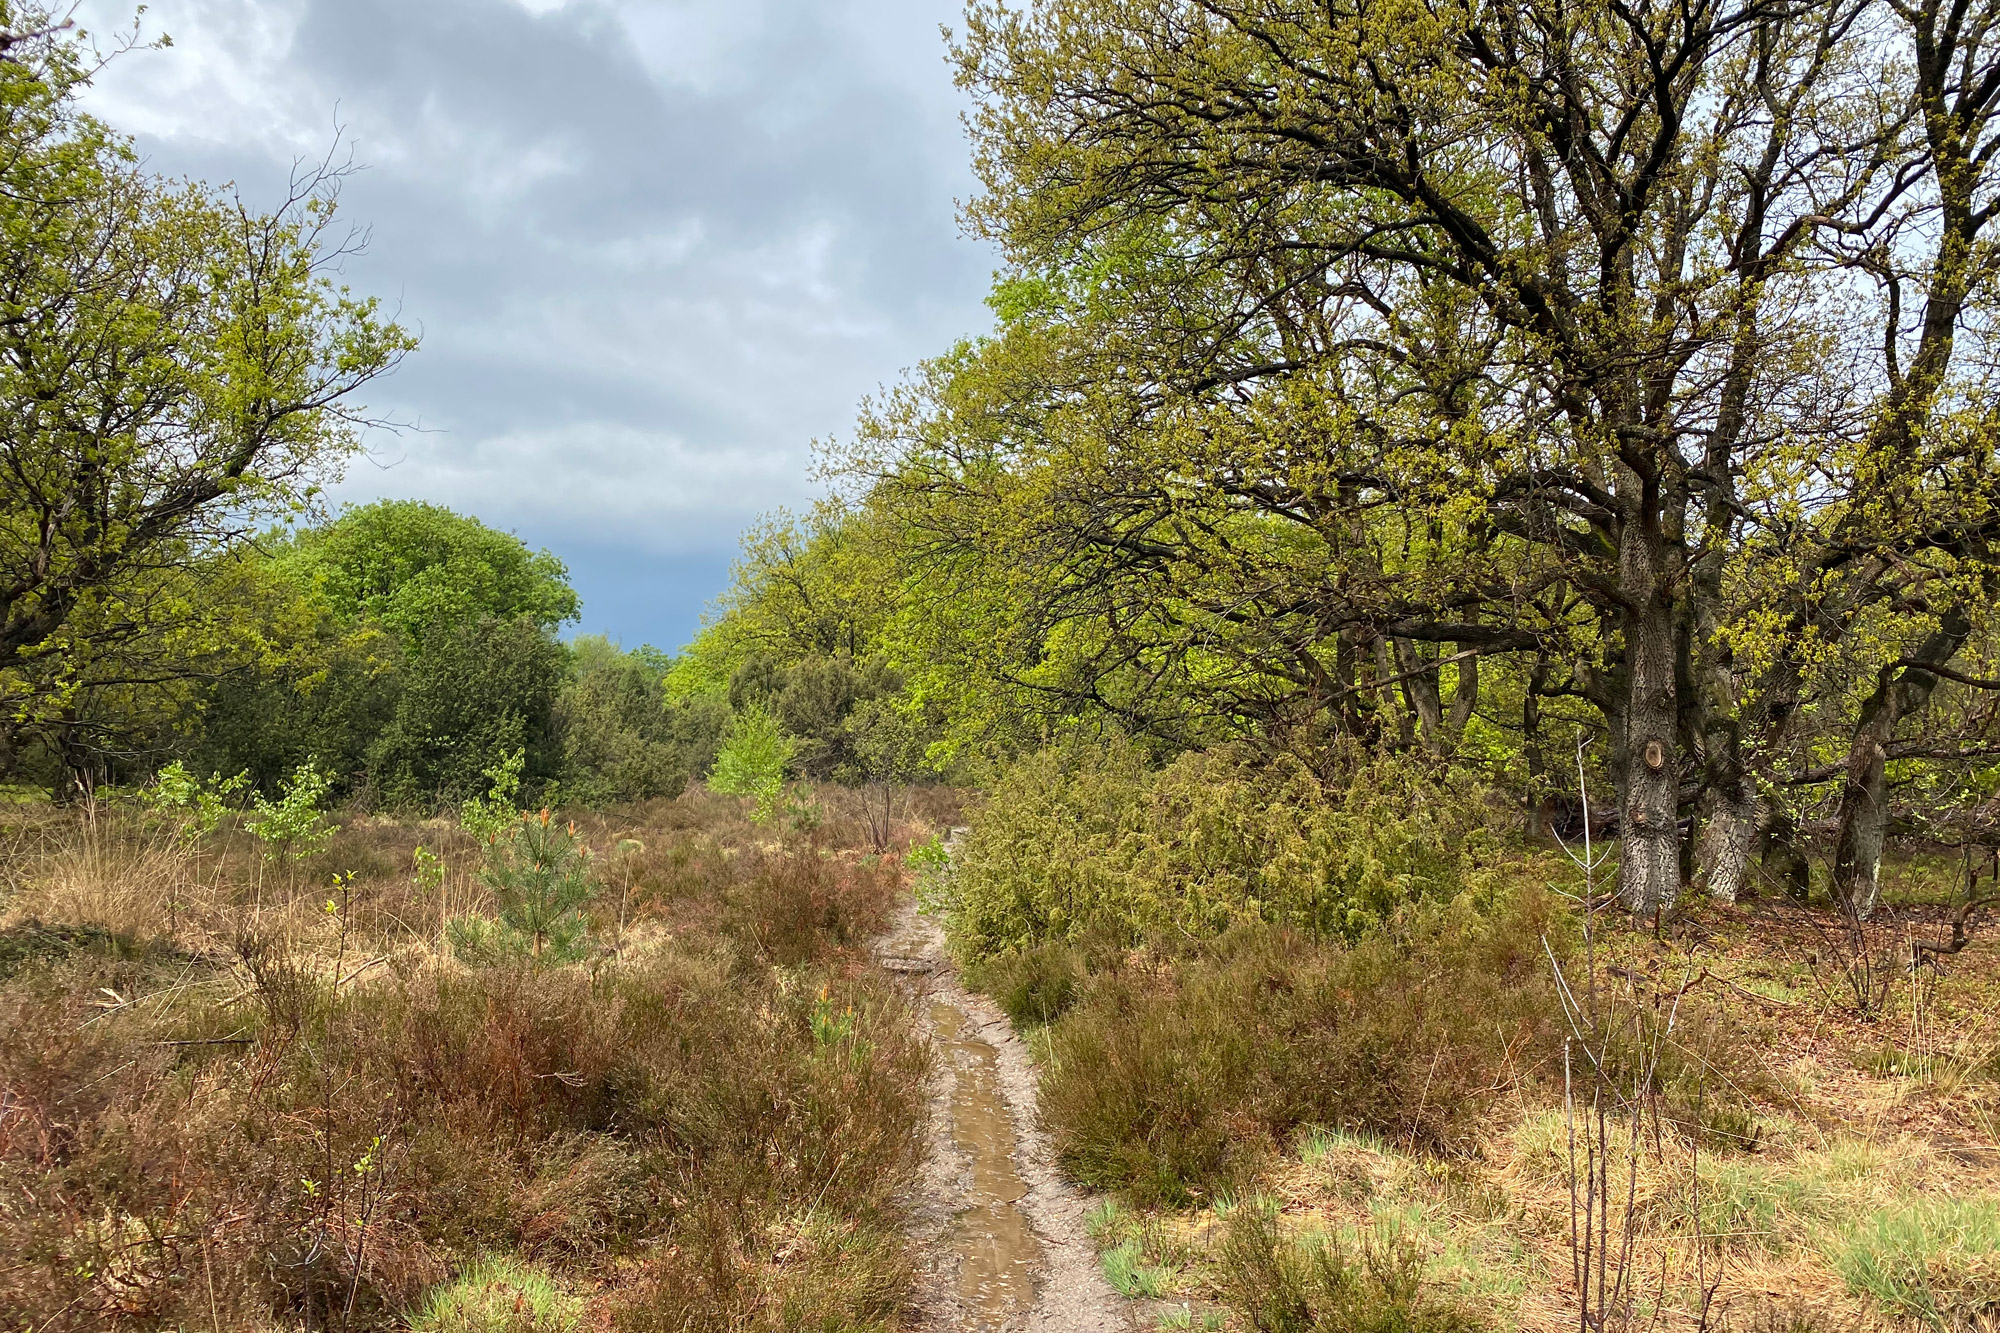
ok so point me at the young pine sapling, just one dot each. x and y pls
(540, 874)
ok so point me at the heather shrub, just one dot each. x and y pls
(797, 905)
(1172, 1078)
(1034, 986)
(1286, 1284)
(314, 1122)
(1088, 839)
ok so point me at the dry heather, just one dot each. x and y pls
(238, 1095)
(1269, 1113)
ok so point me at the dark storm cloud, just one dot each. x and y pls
(655, 248)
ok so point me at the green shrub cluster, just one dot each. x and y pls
(1088, 840)
(1035, 986)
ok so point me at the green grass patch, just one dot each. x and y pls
(1129, 1273)
(1936, 1262)
(498, 1294)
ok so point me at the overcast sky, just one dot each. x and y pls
(655, 247)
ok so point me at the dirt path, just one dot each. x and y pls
(1005, 1246)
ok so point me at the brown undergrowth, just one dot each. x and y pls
(243, 1095)
(1373, 1135)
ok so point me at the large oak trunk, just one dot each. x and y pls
(1644, 753)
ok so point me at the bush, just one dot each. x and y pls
(472, 693)
(1170, 1080)
(293, 827)
(798, 906)
(1086, 839)
(621, 739)
(752, 761)
(1033, 987)
(315, 1123)
(1282, 1285)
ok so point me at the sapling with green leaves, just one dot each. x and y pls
(293, 827)
(487, 817)
(428, 878)
(190, 809)
(752, 761)
(540, 875)
(193, 806)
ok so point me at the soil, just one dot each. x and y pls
(1003, 1236)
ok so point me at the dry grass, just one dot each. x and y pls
(1804, 1165)
(234, 1094)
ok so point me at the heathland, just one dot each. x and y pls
(1435, 662)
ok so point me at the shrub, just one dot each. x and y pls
(498, 1295)
(319, 1129)
(471, 692)
(1086, 839)
(194, 808)
(752, 761)
(1167, 1081)
(793, 907)
(621, 739)
(1033, 987)
(293, 827)
(487, 817)
(1279, 1284)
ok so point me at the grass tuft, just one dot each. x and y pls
(1279, 1283)
(1129, 1273)
(1936, 1262)
(498, 1294)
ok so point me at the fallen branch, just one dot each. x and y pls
(1961, 930)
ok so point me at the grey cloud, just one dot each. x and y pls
(655, 248)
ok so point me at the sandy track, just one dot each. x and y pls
(1003, 1235)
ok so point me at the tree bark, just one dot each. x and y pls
(1645, 752)
(1464, 698)
(1403, 706)
(1420, 690)
(1781, 861)
(1345, 671)
(1730, 805)
(1534, 827)
(1900, 692)
(1728, 835)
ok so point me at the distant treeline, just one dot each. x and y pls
(403, 649)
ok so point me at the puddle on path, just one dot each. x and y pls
(998, 1253)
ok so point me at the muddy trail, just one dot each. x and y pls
(1004, 1240)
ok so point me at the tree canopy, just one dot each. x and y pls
(407, 565)
(176, 369)
(1357, 358)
